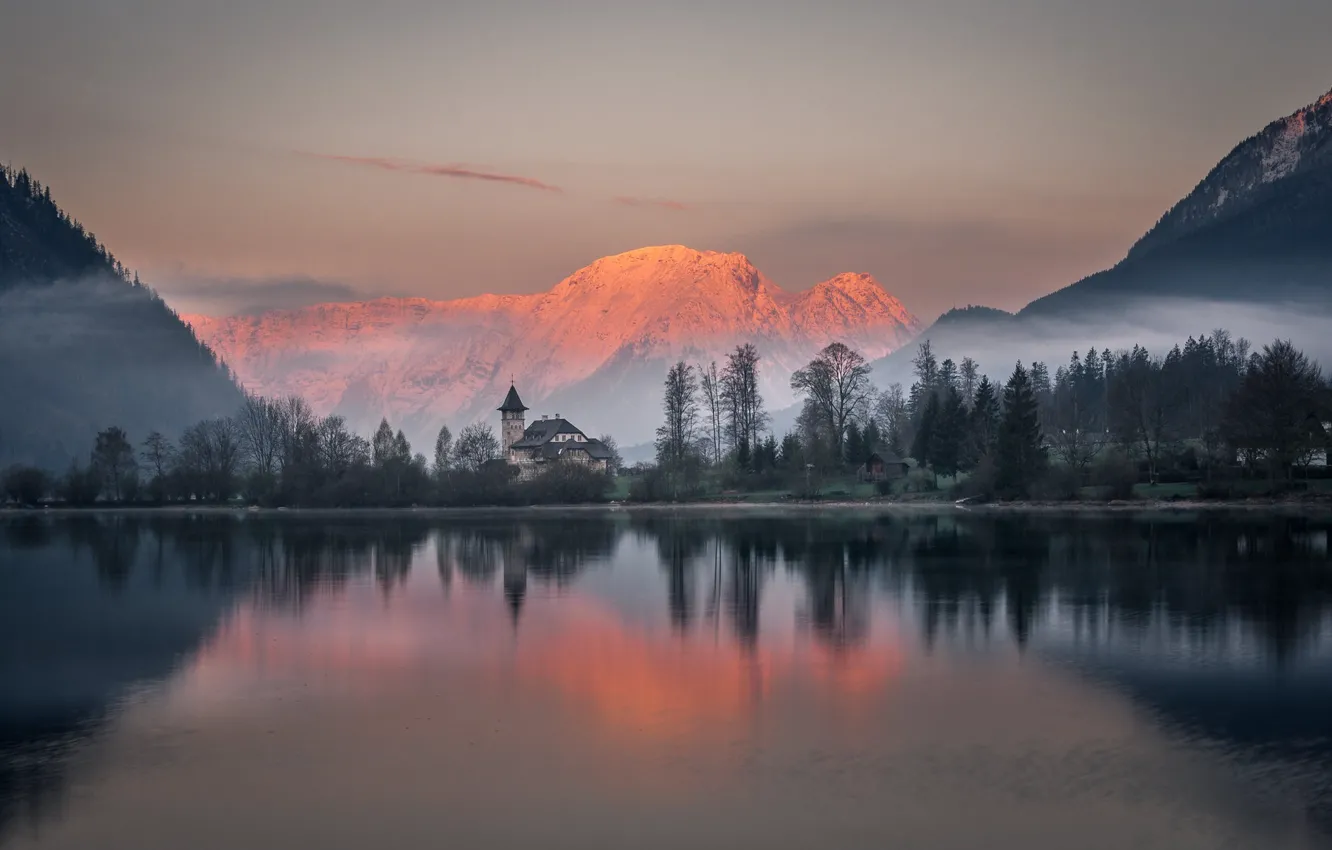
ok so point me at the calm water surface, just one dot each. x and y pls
(655, 680)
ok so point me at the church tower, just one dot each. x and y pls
(512, 420)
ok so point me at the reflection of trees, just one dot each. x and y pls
(551, 552)
(966, 575)
(113, 541)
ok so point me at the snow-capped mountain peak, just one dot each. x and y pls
(422, 362)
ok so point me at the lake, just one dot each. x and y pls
(759, 678)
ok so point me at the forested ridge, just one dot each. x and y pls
(83, 342)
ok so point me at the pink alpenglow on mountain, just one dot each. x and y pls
(596, 345)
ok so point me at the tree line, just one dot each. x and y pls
(277, 452)
(1210, 411)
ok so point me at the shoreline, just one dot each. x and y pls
(1275, 506)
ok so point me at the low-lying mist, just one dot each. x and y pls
(1155, 324)
(79, 356)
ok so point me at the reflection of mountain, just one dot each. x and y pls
(1217, 625)
(88, 609)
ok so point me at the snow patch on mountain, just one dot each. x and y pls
(422, 362)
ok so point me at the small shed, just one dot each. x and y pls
(882, 467)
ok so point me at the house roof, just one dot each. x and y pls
(541, 435)
(543, 431)
(512, 402)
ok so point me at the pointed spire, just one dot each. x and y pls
(512, 403)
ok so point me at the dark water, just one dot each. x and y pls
(654, 680)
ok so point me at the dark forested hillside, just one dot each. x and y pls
(82, 344)
(1256, 229)
(1277, 250)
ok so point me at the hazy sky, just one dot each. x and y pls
(256, 152)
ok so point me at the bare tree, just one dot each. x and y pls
(113, 459)
(678, 433)
(157, 454)
(837, 383)
(742, 403)
(209, 455)
(298, 424)
(339, 450)
(710, 384)
(1073, 433)
(475, 447)
(614, 463)
(894, 417)
(259, 424)
(1142, 406)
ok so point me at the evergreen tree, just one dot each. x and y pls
(443, 445)
(894, 442)
(792, 457)
(873, 440)
(381, 447)
(984, 424)
(1020, 455)
(946, 439)
(949, 379)
(929, 417)
(855, 445)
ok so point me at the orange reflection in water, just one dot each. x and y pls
(635, 678)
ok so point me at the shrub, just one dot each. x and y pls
(1058, 484)
(920, 481)
(569, 482)
(26, 485)
(981, 484)
(1114, 476)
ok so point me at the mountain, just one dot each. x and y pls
(595, 346)
(1250, 249)
(1257, 229)
(84, 346)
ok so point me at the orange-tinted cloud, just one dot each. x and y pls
(630, 201)
(436, 170)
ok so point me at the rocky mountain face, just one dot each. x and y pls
(594, 347)
(83, 345)
(1256, 230)
(1294, 146)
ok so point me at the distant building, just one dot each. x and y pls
(532, 447)
(885, 467)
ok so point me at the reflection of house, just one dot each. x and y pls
(882, 467)
(532, 447)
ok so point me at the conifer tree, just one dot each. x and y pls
(984, 420)
(920, 448)
(946, 440)
(1020, 455)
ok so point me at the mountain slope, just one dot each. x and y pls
(1250, 248)
(1257, 229)
(81, 345)
(595, 344)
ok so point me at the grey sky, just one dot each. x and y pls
(961, 150)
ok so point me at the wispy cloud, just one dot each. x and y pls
(630, 201)
(459, 172)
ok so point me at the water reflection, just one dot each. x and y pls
(672, 634)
